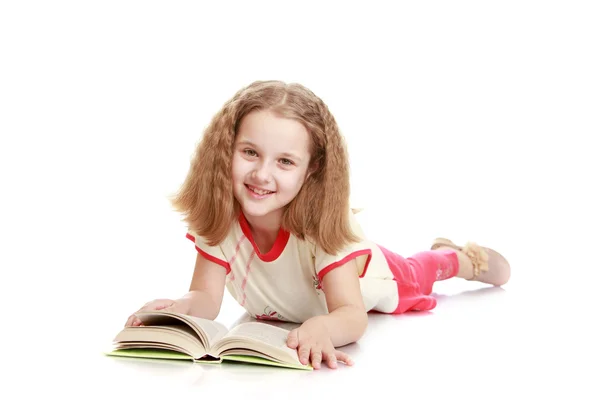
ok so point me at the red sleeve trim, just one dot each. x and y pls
(344, 260)
(214, 259)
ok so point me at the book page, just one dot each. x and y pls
(259, 338)
(209, 332)
(213, 329)
(272, 335)
(179, 338)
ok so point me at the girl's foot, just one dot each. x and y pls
(477, 263)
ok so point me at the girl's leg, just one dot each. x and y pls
(435, 265)
(415, 276)
(465, 267)
(445, 261)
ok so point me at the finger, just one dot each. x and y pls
(134, 321)
(129, 321)
(304, 352)
(156, 305)
(292, 339)
(164, 306)
(345, 358)
(331, 359)
(175, 307)
(315, 357)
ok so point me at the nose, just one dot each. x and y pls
(262, 173)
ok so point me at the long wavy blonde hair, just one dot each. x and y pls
(319, 211)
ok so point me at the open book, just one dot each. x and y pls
(168, 335)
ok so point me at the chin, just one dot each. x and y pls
(255, 211)
(259, 212)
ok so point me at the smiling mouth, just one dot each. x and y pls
(258, 191)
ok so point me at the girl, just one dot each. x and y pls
(266, 201)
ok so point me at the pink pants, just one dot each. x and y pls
(415, 276)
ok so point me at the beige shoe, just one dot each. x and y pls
(489, 266)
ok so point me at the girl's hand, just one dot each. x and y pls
(179, 306)
(312, 340)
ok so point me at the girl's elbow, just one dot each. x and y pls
(365, 319)
(362, 323)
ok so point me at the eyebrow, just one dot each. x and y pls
(286, 154)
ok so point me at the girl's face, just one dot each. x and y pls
(271, 156)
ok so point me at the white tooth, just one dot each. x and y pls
(259, 191)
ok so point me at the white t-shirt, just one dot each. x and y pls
(285, 283)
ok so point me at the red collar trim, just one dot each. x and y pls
(278, 247)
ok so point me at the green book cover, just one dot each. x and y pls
(173, 355)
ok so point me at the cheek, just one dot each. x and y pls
(237, 170)
(292, 183)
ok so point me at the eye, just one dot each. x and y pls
(250, 152)
(286, 161)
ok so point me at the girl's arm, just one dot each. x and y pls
(317, 338)
(347, 319)
(204, 298)
(206, 289)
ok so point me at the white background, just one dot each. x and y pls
(467, 120)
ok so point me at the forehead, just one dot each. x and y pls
(267, 129)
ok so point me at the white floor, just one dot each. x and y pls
(469, 120)
(479, 342)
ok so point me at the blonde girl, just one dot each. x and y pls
(266, 202)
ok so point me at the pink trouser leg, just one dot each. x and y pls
(415, 276)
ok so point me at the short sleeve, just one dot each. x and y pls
(212, 253)
(361, 251)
